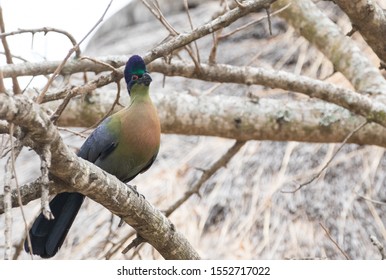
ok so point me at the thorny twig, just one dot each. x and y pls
(40, 98)
(45, 30)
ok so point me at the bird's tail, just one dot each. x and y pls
(47, 236)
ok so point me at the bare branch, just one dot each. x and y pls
(333, 241)
(241, 118)
(203, 30)
(8, 55)
(45, 30)
(346, 56)
(317, 175)
(88, 179)
(70, 52)
(223, 36)
(357, 103)
(368, 17)
(360, 104)
(206, 174)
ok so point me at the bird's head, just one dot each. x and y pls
(136, 73)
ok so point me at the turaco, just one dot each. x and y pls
(124, 144)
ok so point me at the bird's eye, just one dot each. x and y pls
(134, 77)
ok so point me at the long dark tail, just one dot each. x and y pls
(47, 236)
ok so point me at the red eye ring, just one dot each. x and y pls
(134, 77)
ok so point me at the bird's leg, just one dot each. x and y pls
(134, 189)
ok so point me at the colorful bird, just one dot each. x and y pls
(125, 144)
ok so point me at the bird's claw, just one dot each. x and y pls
(134, 189)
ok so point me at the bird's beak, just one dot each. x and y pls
(145, 79)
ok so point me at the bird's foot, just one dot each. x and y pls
(134, 189)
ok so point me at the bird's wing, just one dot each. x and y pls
(99, 144)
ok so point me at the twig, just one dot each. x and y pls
(112, 68)
(156, 11)
(73, 132)
(213, 51)
(269, 20)
(379, 246)
(192, 27)
(71, 51)
(223, 161)
(14, 154)
(70, 93)
(59, 110)
(254, 22)
(135, 243)
(118, 245)
(9, 179)
(330, 160)
(16, 56)
(352, 31)
(371, 200)
(8, 55)
(333, 241)
(45, 30)
(241, 5)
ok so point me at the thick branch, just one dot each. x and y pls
(71, 66)
(357, 103)
(347, 58)
(370, 20)
(90, 180)
(243, 119)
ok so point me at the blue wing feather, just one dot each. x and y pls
(99, 144)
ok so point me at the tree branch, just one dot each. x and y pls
(370, 20)
(45, 30)
(347, 58)
(241, 118)
(86, 178)
(357, 103)
(8, 55)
